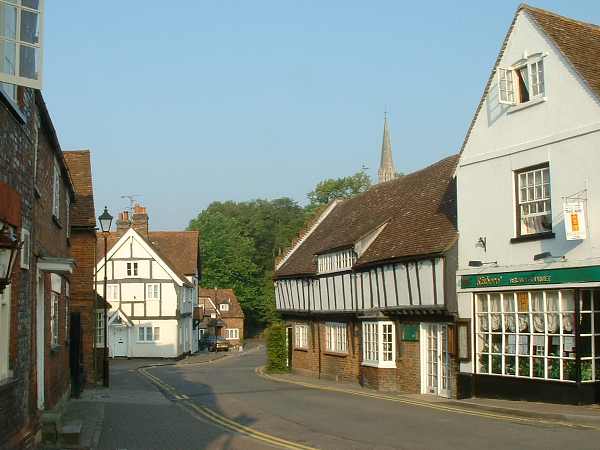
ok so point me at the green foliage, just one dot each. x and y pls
(338, 188)
(276, 348)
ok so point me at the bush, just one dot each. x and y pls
(276, 348)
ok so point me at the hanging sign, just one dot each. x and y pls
(575, 226)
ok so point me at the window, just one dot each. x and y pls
(224, 307)
(336, 261)
(56, 191)
(54, 306)
(20, 44)
(4, 333)
(522, 82)
(112, 292)
(336, 337)
(25, 249)
(232, 333)
(148, 334)
(379, 346)
(10, 90)
(301, 336)
(534, 211)
(531, 334)
(99, 328)
(132, 269)
(153, 291)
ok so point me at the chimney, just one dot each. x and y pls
(123, 223)
(139, 221)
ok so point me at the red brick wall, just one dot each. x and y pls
(83, 296)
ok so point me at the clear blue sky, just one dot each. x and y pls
(191, 102)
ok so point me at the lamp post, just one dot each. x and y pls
(105, 220)
(9, 247)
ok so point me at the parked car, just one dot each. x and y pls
(216, 343)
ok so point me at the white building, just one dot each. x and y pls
(152, 282)
(529, 252)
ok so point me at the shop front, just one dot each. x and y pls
(535, 335)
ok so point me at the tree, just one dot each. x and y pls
(338, 188)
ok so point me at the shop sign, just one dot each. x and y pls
(410, 333)
(533, 277)
(575, 226)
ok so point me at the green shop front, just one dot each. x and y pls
(535, 335)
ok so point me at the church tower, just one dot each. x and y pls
(387, 170)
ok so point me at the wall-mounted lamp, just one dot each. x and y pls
(482, 243)
(547, 255)
(477, 263)
(9, 248)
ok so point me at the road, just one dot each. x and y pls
(230, 392)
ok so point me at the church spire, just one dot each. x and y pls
(387, 171)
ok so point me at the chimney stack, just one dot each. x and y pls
(139, 221)
(123, 223)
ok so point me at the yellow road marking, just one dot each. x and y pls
(453, 409)
(223, 421)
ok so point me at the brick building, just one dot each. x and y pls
(367, 291)
(83, 250)
(219, 314)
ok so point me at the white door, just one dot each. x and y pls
(120, 341)
(437, 360)
(40, 341)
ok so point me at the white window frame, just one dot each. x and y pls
(232, 333)
(5, 371)
(336, 336)
(99, 328)
(301, 336)
(507, 78)
(16, 78)
(224, 307)
(25, 249)
(535, 196)
(112, 292)
(379, 344)
(153, 291)
(150, 334)
(56, 181)
(132, 269)
(336, 261)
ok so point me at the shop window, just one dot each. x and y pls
(336, 337)
(531, 334)
(378, 342)
(301, 336)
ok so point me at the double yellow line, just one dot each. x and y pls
(221, 420)
(431, 405)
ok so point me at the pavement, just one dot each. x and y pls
(208, 403)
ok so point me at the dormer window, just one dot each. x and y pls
(336, 261)
(522, 82)
(224, 307)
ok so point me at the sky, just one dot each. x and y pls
(186, 103)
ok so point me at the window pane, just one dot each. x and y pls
(149, 333)
(33, 4)
(141, 334)
(568, 300)
(156, 333)
(29, 62)
(523, 345)
(553, 323)
(569, 372)
(524, 366)
(552, 300)
(482, 305)
(554, 345)
(538, 346)
(554, 369)
(29, 27)
(538, 368)
(510, 344)
(509, 365)
(8, 57)
(8, 21)
(586, 370)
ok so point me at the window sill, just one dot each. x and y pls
(521, 106)
(380, 364)
(533, 237)
(336, 354)
(300, 349)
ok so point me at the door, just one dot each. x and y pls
(120, 341)
(75, 354)
(40, 341)
(289, 343)
(437, 360)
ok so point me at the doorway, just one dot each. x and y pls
(40, 341)
(120, 341)
(435, 366)
(75, 354)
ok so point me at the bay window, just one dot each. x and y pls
(336, 337)
(534, 209)
(531, 334)
(379, 344)
(301, 336)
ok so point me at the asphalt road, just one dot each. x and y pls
(332, 420)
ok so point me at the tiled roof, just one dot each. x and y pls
(419, 209)
(179, 249)
(579, 43)
(219, 296)
(82, 212)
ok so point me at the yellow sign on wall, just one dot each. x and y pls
(575, 226)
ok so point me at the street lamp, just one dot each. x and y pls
(105, 220)
(9, 247)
